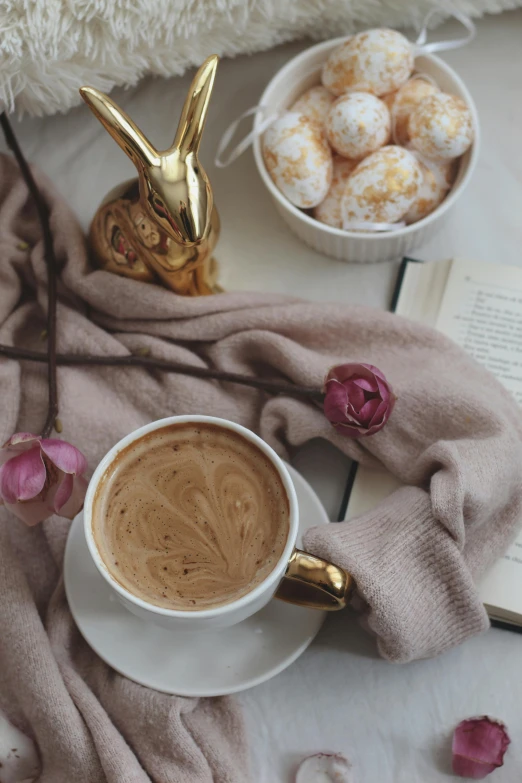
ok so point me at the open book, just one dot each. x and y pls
(480, 307)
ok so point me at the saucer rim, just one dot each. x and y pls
(194, 692)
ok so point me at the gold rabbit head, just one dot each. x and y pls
(171, 225)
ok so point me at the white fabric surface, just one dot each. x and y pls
(49, 48)
(394, 722)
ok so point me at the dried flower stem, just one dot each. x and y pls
(53, 359)
(52, 268)
(180, 368)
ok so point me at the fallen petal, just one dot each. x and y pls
(65, 456)
(324, 768)
(22, 477)
(19, 760)
(479, 745)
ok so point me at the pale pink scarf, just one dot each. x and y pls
(454, 437)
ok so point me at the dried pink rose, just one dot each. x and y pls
(358, 399)
(324, 768)
(479, 745)
(40, 477)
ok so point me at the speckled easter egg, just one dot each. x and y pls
(437, 178)
(441, 126)
(329, 210)
(314, 104)
(377, 61)
(357, 124)
(404, 101)
(382, 187)
(298, 159)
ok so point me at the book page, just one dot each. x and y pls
(481, 310)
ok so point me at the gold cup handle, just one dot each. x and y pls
(316, 583)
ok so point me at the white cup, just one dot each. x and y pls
(297, 577)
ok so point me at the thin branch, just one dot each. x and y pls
(52, 270)
(53, 359)
(180, 368)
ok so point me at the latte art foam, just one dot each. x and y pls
(190, 517)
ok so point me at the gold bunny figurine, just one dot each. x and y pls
(162, 226)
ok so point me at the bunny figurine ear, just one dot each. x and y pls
(194, 114)
(121, 128)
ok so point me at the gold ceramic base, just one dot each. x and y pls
(125, 241)
(163, 226)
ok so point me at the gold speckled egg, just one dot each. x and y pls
(377, 61)
(329, 210)
(358, 123)
(437, 178)
(382, 187)
(404, 102)
(298, 159)
(441, 127)
(314, 104)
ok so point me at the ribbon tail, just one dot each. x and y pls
(221, 159)
(421, 45)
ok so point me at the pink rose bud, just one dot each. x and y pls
(479, 745)
(358, 399)
(40, 477)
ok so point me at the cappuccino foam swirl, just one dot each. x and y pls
(191, 516)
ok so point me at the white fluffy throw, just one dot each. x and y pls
(49, 48)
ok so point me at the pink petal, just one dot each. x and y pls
(20, 438)
(324, 768)
(375, 371)
(384, 389)
(22, 477)
(346, 372)
(355, 394)
(335, 401)
(63, 492)
(17, 443)
(65, 456)
(379, 416)
(74, 504)
(368, 411)
(368, 384)
(479, 745)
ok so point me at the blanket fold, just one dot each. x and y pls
(454, 437)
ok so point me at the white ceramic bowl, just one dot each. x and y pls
(288, 84)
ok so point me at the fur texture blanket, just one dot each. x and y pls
(49, 48)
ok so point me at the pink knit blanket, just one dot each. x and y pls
(454, 439)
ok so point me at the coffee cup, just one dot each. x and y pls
(297, 577)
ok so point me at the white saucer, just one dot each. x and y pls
(212, 663)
